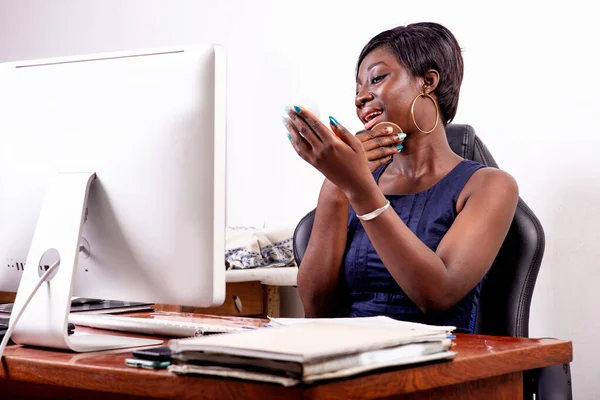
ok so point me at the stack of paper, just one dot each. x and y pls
(294, 351)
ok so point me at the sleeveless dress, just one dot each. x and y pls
(372, 290)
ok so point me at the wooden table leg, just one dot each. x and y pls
(272, 301)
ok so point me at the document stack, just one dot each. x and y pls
(293, 351)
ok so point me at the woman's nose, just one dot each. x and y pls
(362, 98)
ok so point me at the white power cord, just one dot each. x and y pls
(13, 323)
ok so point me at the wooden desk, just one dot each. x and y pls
(486, 368)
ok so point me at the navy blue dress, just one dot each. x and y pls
(372, 290)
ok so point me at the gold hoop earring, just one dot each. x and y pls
(437, 112)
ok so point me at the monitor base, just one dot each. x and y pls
(57, 239)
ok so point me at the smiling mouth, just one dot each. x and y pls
(372, 118)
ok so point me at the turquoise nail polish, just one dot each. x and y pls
(399, 147)
(333, 121)
(401, 136)
(289, 137)
(298, 109)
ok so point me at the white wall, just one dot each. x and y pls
(531, 91)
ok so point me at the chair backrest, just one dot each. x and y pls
(506, 293)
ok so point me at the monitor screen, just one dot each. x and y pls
(150, 127)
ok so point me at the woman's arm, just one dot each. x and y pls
(319, 276)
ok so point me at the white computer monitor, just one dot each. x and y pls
(123, 154)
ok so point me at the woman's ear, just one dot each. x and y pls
(431, 79)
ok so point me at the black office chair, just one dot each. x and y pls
(508, 288)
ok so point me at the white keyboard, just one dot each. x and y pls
(158, 327)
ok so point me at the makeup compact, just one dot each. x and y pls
(396, 128)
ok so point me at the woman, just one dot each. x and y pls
(405, 230)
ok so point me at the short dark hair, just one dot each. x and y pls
(423, 46)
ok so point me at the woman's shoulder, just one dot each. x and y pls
(493, 178)
(489, 182)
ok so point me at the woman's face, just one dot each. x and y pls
(385, 90)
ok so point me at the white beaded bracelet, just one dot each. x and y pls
(373, 214)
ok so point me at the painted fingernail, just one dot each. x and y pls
(401, 136)
(333, 121)
(399, 147)
(286, 109)
(298, 109)
(284, 120)
(289, 136)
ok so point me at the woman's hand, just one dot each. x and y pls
(380, 145)
(338, 155)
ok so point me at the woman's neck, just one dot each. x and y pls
(424, 154)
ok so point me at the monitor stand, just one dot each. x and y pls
(58, 234)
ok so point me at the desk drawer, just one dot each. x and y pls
(248, 299)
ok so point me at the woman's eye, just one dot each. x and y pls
(377, 79)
